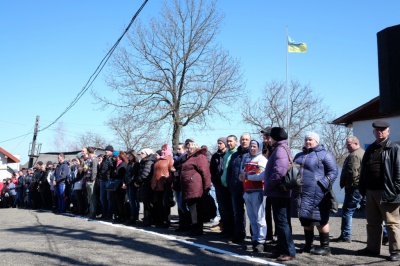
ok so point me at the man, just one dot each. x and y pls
(61, 174)
(44, 186)
(35, 195)
(90, 170)
(349, 181)
(216, 169)
(225, 205)
(379, 183)
(105, 170)
(235, 185)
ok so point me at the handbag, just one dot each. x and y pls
(292, 179)
(331, 198)
(113, 184)
(208, 207)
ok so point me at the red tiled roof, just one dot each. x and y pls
(10, 158)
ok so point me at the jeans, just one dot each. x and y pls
(213, 194)
(225, 209)
(103, 198)
(91, 197)
(351, 203)
(134, 204)
(60, 188)
(239, 218)
(285, 242)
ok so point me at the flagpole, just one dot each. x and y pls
(286, 87)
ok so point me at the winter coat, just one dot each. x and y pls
(163, 173)
(217, 167)
(143, 178)
(106, 168)
(277, 167)
(318, 172)
(351, 169)
(235, 185)
(195, 175)
(390, 173)
(178, 162)
(132, 170)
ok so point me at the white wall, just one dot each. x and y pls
(363, 130)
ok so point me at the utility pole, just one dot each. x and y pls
(34, 152)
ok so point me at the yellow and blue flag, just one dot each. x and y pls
(294, 47)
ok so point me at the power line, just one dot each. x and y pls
(97, 71)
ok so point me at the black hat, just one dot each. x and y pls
(278, 133)
(40, 163)
(49, 163)
(266, 131)
(109, 148)
(380, 124)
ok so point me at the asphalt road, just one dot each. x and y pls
(32, 237)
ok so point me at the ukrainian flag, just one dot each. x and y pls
(294, 47)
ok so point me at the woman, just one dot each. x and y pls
(131, 189)
(318, 171)
(76, 195)
(119, 193)
(276, 169)
(195, 182)
(142, 181)
(252, 175)
(161, 183)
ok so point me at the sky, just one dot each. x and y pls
(49, 49)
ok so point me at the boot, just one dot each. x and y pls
(324, 249)
(146, 218)
(309, 236)
(197, 230)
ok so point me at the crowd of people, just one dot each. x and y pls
(246, 175)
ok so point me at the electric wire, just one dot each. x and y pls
(98, 69)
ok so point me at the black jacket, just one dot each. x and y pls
(217, 167)
(106, 168)
(390, 173)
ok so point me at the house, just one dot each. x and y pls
(361, 119)
(8, 164)
(53, 156)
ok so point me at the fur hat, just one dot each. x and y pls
(312, 135)
(278, 133)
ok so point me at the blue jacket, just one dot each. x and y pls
(318, 171)
(235, 185)
(62, 172)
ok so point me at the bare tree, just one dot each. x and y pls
(132, 132)
(334, 139)
(297, 110)
(89, 139)
(60, 142)
(174, 71)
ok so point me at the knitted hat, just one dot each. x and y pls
(147, 151)
(312, 135)
(278, 133)
(109, 148)
(223, 140)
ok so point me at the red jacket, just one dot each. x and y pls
(163, 173)
(195, 175)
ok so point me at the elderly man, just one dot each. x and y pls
(379, 182)
(349, 181)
